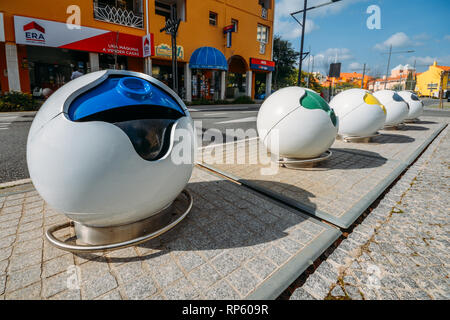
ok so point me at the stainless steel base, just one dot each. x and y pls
(295, 163)
(356, 139)
(106, 235)
(95, 239)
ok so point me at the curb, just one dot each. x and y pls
(14, 183)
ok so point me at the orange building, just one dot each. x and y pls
(44, 41)
(348, 77)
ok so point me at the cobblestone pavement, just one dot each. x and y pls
(232, 245)
(337, 190)
(401, 249)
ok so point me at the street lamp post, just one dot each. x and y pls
(303, 55)
(389, 61)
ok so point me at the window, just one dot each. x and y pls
(213, 18)
(235, 23)
(262, 34)
(163, 9)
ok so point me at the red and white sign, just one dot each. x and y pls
(148, 47)
(260, 64)
(47, 33)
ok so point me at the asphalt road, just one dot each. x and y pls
(216, 122)
(212, 120)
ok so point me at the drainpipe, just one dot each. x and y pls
(147, 60)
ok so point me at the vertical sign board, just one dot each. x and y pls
(148, 47)
(228, 30)
(2, 28)
(335, 70)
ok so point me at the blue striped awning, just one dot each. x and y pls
(208, 58)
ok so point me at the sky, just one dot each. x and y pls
(341, 29)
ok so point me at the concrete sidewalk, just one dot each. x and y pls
(401, 249)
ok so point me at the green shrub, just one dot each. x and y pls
(17, 101)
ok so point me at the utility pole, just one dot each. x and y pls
(364, 73)
(301, 45)
(389, 61)
(387, 70)
(303, 55)
(171, 27)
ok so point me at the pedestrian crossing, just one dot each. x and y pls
(6, 121)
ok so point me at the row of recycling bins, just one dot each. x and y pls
(99, 149)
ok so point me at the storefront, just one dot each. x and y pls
(262, 77)
(208, 66)
(237, 77)
(51, 51)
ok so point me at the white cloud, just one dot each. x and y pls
(397, 40)
(447, 37)
(426, 61)
(292, 30)
(355, 66)
(422, 36)
(289, 29)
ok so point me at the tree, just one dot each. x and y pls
(285, 58)
(410, 82)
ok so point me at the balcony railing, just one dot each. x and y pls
(263, 13)
(118, 16)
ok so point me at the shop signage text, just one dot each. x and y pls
(47, 33)
(164, 50)
(260, 64)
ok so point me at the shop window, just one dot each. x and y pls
(213, 18)
(235, 23)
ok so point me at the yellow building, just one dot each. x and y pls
(433, 81)
(38, 49)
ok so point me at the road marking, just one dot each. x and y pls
(6, 121)
(214, 114)
(226, 143)
(249, 119)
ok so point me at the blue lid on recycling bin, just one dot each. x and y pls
(120, 92)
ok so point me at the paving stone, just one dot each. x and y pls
(67, 295)
(112, 295)
(181, 290)
(32, 292)
(98, 286)
(337, 292)
(204, 276)
(140, 289)
(20, 279)
(221, 291)
(317, 286)
(21, 261)
(225, 264)
(190, 260)
(166, 274)
(243, 280)
(54, 285)
(353, 293)
(301, 294)
(57, 265)
(261, 267)
(129, 271)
